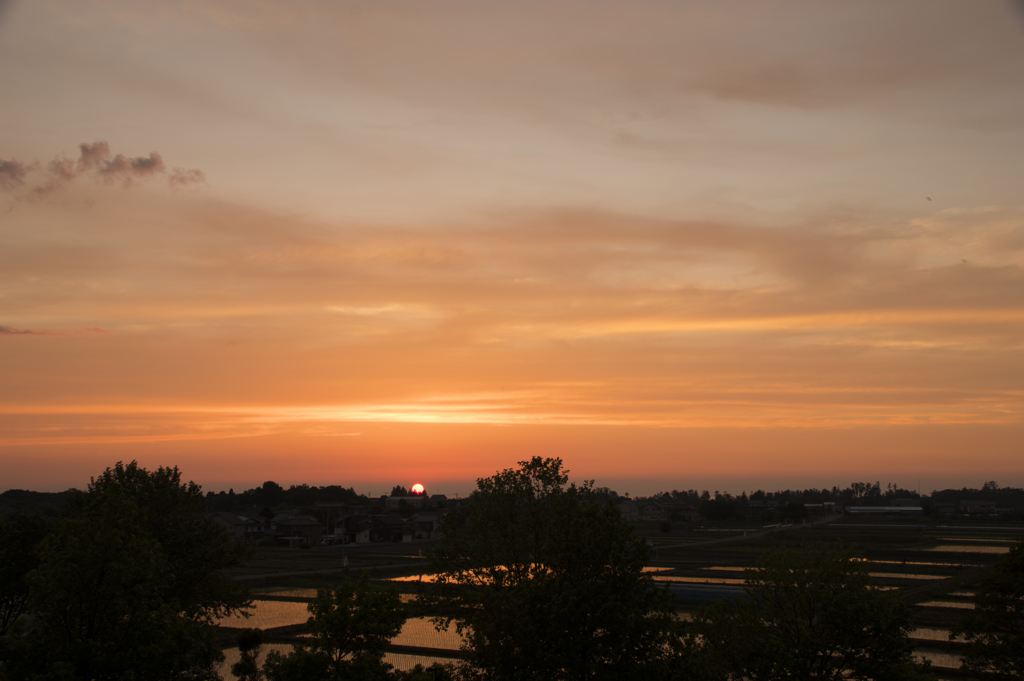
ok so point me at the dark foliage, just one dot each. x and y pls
(250, 645)
(350, 627)
(103, 606)
(545, 581)
(29, 502)
(807, 614)
(270, 494)
(126, 584)
(196, 551)
(994, 631)
(21, 537)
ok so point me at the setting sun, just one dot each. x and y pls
(417, 488)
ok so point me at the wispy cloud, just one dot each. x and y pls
(180, 177)
(95, 160)
(11, 331)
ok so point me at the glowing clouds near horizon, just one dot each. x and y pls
(247, 324)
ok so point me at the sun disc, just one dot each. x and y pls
(417, 488)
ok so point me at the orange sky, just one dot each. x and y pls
(723, 245)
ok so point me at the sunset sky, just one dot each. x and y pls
(726, 245)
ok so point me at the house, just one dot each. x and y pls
(392, 529)
(425, 526)
(655, 512)
(393, 503)
(296, 530)
(233, 524)
(686, 513)
(884, 510)
(825, 508)
(977, 506)
(356, 528)
(332, 513)
(628, 510)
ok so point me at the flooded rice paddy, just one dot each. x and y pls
(940, 607)
(948, 604)
(397, 660)
(268, 615)
(930, 634)
(420, 632)
(939, 658)
(967, 548)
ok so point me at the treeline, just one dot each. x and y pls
(711, 504)
(1005, 497)
(858, 493)
(22, 500)
(271, 495)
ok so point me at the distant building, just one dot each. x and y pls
(685, 512)
(240, 526)
(977, 506)
(426, 526)
(628, 509)
(392, 529)
(356, 529)
(393, 503)
(233, 524)
(884, 510)
(825, 508)
(296, 530)
(655, 512)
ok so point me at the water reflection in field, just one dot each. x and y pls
(267, 615)
(939, 658)
(697, 580)
(872, 562)
(959, 548)
(429, 578)
(948, 604)
(925, 563)
(419, 631)
(407, 662)
(284, 592)
(308, 593)
(397, 660)
(904, 575)
(930, 634)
